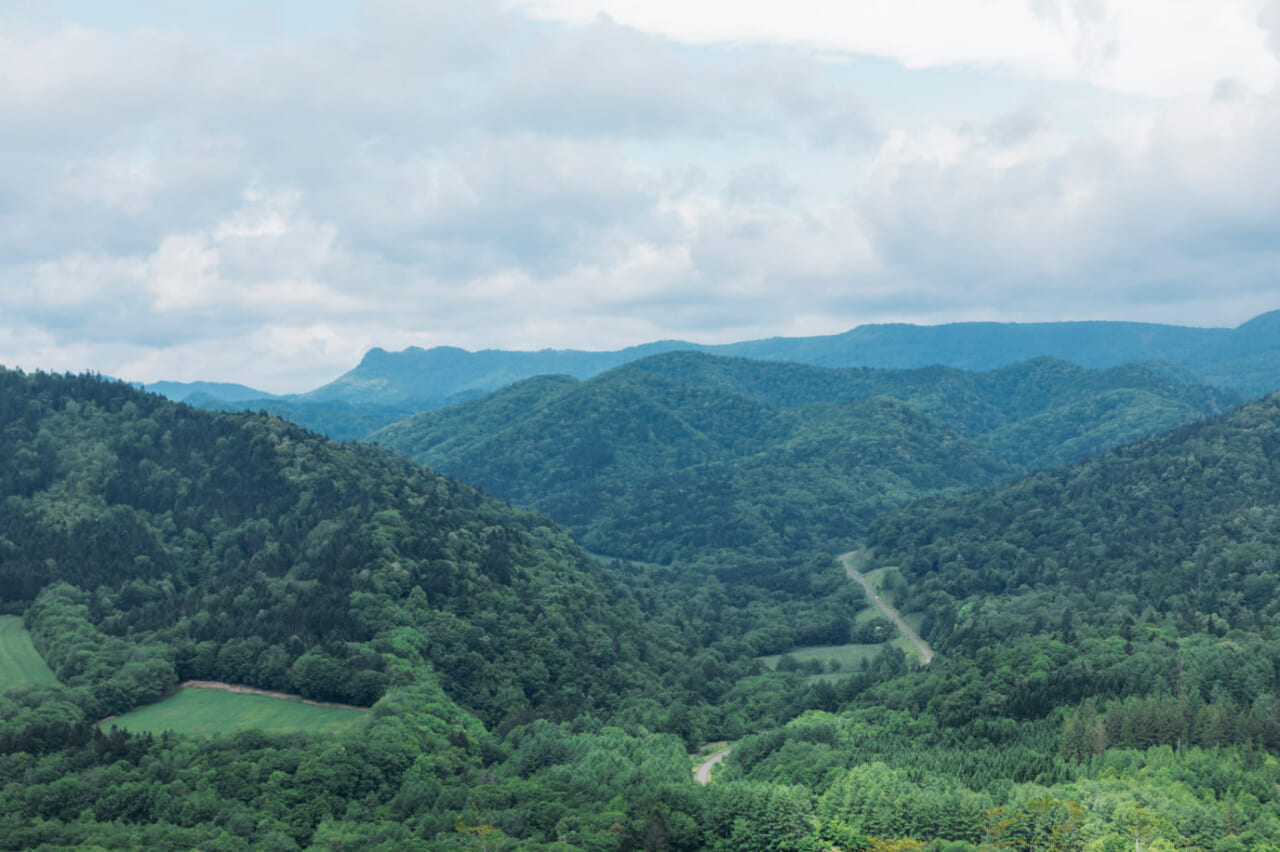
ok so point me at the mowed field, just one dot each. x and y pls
(20, 665)
(201, 712)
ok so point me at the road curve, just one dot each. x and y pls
(703, 773)
(926, 654)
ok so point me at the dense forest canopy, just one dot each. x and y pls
(686, 456)
(1107, 635)
(252, 551)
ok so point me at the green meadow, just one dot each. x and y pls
(848, 657)
(201, 712)
(20, 665)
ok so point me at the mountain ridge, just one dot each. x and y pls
(387, 383)
(422, 375)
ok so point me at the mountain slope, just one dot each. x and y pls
(1183, 527)
(840, 466)
(192, 392)
(238, 547)
(336, 419)
(430, 378)
(683, 454)
(1075, 410)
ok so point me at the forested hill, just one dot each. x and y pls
(682, 454)
(618, 457)
(1037, 414)
(1246, 359)
(1180, 531)
(241, 548)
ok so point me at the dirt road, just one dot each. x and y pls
(860, 557)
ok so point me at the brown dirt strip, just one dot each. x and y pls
(270, 693)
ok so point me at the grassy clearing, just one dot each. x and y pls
(201, 712)
(848, 656)
(20, 665)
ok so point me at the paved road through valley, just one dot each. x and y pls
(703, 773)
(860, 557)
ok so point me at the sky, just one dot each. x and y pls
(260, 193)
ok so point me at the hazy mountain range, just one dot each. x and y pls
(1245, 359)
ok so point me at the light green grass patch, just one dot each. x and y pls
(202, 712)
(848, 656)
(20, 664)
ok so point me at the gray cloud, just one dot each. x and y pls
(1269, 19)
(1045, 223)
(180, 204)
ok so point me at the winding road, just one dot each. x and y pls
(847, 560)
(703, 773)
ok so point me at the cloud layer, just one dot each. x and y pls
(185, 200)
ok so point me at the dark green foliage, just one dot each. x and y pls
(838, 468)
(1180, 531)
(1038, 413)
(685, 455)
(339, 420)
(1108, 635)
(176, 544)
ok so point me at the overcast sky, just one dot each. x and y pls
(210, 191)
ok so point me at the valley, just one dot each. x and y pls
(624, 426)
(1085, 560)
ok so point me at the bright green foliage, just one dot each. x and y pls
(1106, 677)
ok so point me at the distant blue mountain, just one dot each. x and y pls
(198, 393)
(1244, 359)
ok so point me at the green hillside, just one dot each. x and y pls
(839, 467)
(1182, 528)
(1106, 637)
(339, 420)
(684, 454)
(1107, 663)
(151, 542)
(158, 543)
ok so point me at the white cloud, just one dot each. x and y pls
(182, 203)
(1151, 47)
(1159, 213)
